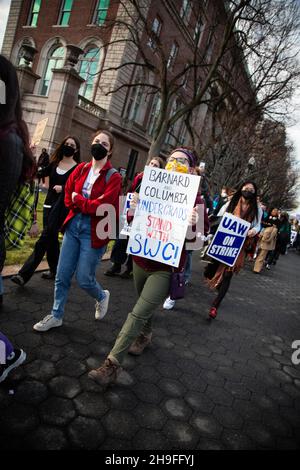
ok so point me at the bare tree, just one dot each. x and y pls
(244, 49)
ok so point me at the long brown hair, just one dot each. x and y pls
(57, 156)
(11, 118)
(252, 211)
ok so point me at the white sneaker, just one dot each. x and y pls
(47, 323)
(169, 304)
(102, 306)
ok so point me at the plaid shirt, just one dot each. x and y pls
(19, 215)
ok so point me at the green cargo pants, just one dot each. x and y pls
(152, 288)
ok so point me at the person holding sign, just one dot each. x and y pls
(118, 254)
(63, 162)
(152, 281)
(243, 205)
(92, 190)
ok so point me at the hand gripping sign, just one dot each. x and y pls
(229, 239)
(160, 221)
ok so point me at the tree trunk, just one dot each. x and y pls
(158, 141)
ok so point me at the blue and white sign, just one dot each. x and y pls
(229, 239)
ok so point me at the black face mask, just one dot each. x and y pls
(248, 194)
(68, 151)
(98, 151)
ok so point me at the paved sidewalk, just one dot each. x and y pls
(229, 384)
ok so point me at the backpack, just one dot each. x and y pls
(19, 215)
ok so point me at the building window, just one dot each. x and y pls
(154, 114)
(88, 70)
(134, 104)
(34, 12)
(55, 60)
(65, 12)
(101, 12)
(173, 55)
(155, 30)
(185, 11)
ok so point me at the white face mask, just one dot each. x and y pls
(223, 194)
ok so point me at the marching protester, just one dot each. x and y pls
(283, 239)
(17, 166)
(90, 186)
(63, 162)
(243, 205)
(152, 281)
(267, 241)
(118, 255)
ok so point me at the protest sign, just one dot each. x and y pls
(229, 239)
(126, 227)
(39, 131)
(160, 221)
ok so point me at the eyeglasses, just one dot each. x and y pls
(182, 160)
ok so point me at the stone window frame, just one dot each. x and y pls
(15, 55)
(84, 45)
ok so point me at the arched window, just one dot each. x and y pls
(88, 68)
(55, 60)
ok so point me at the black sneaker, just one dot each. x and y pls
(17, 279)
(115, 269)
(48, 275)
(17, 360)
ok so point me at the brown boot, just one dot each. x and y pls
(139, 344)
(107, 373)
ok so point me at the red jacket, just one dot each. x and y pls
(102, 193)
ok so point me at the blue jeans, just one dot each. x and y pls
(77, 255)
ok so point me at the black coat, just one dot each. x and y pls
(11, 161)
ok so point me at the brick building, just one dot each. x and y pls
(70, 88)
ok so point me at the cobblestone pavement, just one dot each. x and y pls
(229, 384)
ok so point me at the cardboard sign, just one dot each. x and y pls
(160, 222)
(39, 131)
(229, 239)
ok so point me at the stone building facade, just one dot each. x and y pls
(59, 49)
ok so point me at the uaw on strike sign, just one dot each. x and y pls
(229, 239)
(160, 221)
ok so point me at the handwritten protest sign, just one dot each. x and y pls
(229, 239)
(126, 227)
(39, 131)
(160, 222)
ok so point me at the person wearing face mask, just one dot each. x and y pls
(62, 163)
(152, 282)
(243, 205)
(118, 254)
(89, 187)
